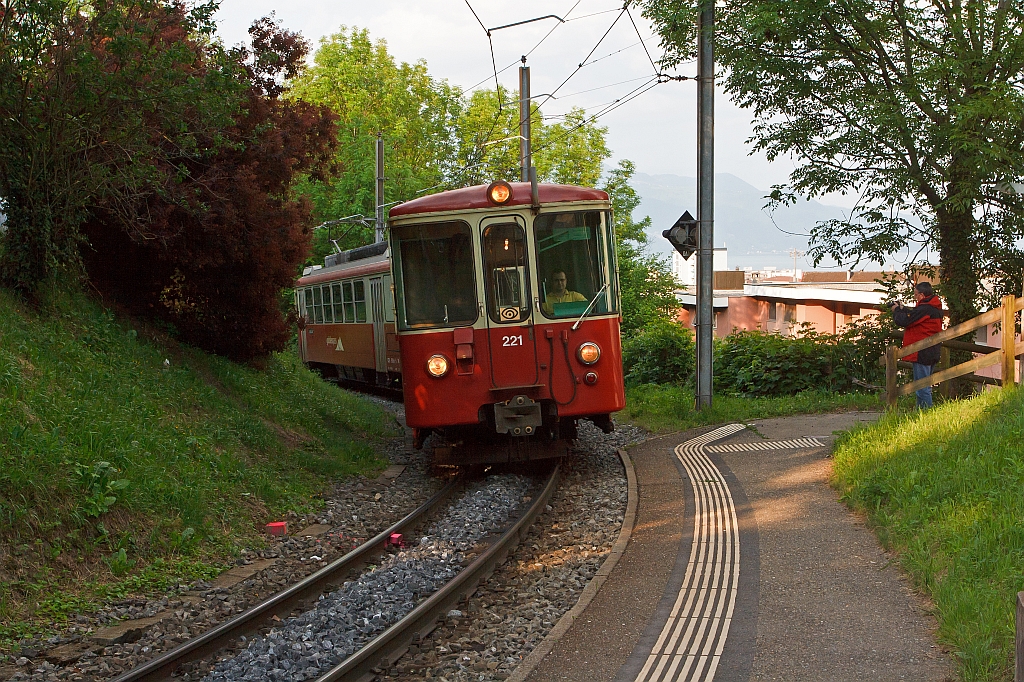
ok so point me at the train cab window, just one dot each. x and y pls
(504, 247)
(434, 281)
(359, 296)
(339, 313)
(574, 264)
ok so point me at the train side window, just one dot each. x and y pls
(350, 306)
(359, 293)
(435, 285)
(504, 247)
(339, 315)
(389, 298)
(318, 306)
(573, 264)
(325, 291)
(307, 307)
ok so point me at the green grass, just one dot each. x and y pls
(945, 490)
(201, 453)
(661, 408)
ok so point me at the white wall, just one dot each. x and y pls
(685, 271)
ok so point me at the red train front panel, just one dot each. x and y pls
(457, 397)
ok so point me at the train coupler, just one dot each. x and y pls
(518, 416)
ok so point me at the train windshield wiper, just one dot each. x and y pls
(589, 307)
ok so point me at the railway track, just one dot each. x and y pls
(386, 646)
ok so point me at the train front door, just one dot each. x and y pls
(511, 341)
(379, 337)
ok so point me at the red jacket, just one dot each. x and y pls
(921, 322)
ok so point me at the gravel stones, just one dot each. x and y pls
(517, 607)
(342, 621)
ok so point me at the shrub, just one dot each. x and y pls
(757, 363)
(660, 353)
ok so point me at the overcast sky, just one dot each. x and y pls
(657, 130)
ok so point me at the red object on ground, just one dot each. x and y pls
(278, 528)
(396, 540)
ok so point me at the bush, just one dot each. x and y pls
(663, 352)
(758, 363)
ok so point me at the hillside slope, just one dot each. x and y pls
(943, 490)
(123, 452)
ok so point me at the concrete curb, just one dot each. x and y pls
(534, 658)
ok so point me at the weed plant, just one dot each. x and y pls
(943, 489)
(125, 456)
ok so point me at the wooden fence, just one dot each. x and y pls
(1004, 355)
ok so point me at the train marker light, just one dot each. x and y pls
(437, 366)
(590, 378)
(588, 353)
(499, 193)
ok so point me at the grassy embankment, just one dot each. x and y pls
(201, 453)
(661, 408)
(945, 490)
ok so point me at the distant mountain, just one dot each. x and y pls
(740, 223)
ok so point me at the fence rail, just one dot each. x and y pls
(1004, 355)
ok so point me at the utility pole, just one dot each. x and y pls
(525, 152)
(705, 200)
(794, 254)
(378, 195)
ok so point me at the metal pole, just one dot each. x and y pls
(378, 195)
(525, 153)
(705, 200)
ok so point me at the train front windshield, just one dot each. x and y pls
(573, 260)
(435, 285)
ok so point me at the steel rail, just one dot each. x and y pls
(388, 646)
(280, 604)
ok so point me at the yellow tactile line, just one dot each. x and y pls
(694, 635)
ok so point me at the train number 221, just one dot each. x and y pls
(511, 340)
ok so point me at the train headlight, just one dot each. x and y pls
(437, 366)
(588, 353)
(499, 193)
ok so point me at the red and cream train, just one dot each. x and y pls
(496, 308)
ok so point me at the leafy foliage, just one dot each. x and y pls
(662, 352)
(645, 279)
(100, 102)
(914, 107)
(226, 238)
(100, 487)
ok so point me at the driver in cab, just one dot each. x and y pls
(558, 293)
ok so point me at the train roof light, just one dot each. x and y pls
(499, 193)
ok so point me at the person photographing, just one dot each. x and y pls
(920, 322)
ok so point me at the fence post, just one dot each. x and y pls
(890, 375)
(945, 363)
(1018, 675)
(1009, 338)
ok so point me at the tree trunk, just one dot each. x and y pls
(958, 274)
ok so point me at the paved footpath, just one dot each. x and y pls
(744, 565)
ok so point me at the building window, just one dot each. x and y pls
(790, 313)
(982, 335)
(773, 313)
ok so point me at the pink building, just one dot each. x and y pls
(781, 306)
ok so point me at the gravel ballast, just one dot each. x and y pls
(343, 621)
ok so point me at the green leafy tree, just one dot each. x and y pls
(571, 152)
(646, 280)
(488, 136)
(92, 97)
(360, 81)
(915, 106)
